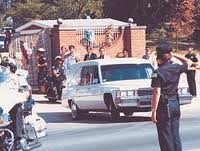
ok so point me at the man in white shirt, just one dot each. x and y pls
(70, 59)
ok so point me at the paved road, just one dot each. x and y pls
(94, 132)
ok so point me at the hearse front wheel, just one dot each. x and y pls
(114, 113)
(75, 111)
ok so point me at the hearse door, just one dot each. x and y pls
(94, 96)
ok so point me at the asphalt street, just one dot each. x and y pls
(95, 132)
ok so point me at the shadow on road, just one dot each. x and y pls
(92, 118)
(47, 102)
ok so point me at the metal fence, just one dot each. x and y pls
(96, 35)
(33, 42)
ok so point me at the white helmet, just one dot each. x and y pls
(41, 50)
(58, 58)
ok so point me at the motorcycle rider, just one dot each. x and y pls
(16, 113)
(58, 75)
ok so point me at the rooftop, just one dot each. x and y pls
(75, 23)
(111, 61)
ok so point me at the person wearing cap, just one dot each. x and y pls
(42, 69)
(165, 105)
(191, 73)
(58, 75)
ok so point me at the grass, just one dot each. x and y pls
(180, 46)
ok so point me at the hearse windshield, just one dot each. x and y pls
(120, 72)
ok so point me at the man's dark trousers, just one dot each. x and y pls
(168, 128)
(191, 82)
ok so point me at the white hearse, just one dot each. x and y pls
(114, 85)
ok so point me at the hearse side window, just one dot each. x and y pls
(89, 75)
(85, 76)
(75, 78)
(95, 75)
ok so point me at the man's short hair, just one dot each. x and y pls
(71, 47)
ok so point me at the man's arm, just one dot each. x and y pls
(182, 59)
(154, 102)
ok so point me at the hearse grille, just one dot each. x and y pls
(144, 92)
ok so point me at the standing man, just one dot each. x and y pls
(102, 53)
(90, 55)
(147, 53)
(42, 69)
(165, 102)
(70, 59)
(191, 73)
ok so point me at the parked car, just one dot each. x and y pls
(113, 85)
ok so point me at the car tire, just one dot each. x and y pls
(52, 100)
(114, 113)
(75, 111)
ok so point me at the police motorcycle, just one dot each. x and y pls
(55, 84)
(10, 98)
(7, 137)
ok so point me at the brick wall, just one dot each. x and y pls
(131, 38)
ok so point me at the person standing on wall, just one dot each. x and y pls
(191, 73)
(165, 101)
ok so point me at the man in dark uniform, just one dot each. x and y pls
(42, 69)
(191, 73)
(165, 102)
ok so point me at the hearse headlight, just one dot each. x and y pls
(126, 93)
(183, 91)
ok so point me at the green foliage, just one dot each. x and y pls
(159, 33)
(26, 11)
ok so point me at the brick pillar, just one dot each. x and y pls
(136, 40)
(67, 36)
(55, 42)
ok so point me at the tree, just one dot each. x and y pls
(196, 33)
(26, 10)
(151, 13)
(182, 22)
